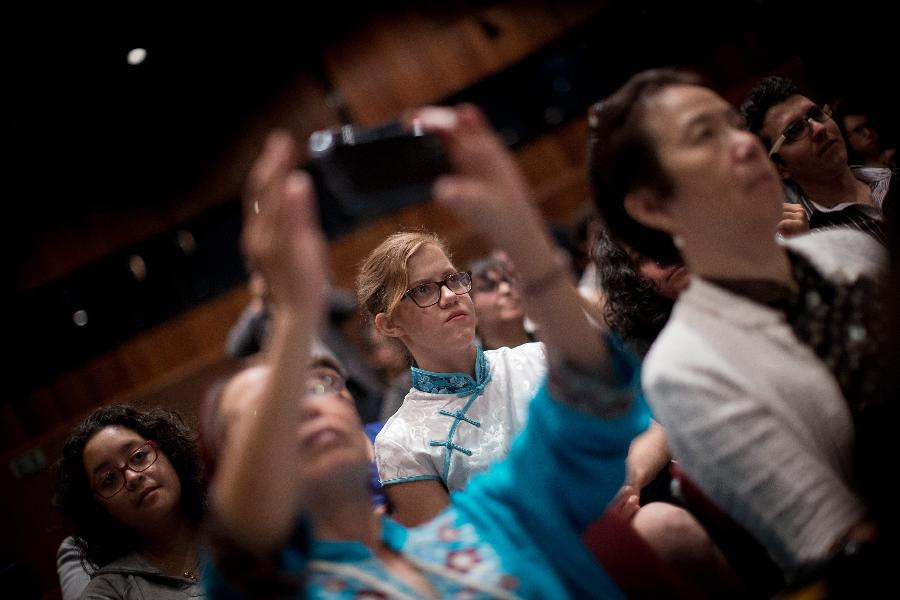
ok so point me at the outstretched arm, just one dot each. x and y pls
(256, 490)
(489, 192)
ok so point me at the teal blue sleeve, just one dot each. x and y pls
(561, 472)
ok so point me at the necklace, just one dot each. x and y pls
(193, 573)
(169, 567)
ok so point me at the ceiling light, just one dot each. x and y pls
(136, 56)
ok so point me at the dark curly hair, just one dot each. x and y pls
(634, 309)
(622, 158)
(101, 538)
(765, 94)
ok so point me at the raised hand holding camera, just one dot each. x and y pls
(363, 173)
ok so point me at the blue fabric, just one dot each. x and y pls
(378, 498)
(516, 527)
(460, 384)
(534, 506)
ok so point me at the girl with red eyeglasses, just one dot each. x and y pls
(130, 485)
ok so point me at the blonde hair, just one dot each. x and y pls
(384, 275)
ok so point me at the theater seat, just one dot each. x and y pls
(747, 557)
(630, 562)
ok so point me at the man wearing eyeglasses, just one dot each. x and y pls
(807, 148)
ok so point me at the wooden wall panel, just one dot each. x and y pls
(61, 249)
(555, 166)
(145, 360)
(108, 375)
(416, 56)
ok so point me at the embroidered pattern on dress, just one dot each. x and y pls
(450, 554)
(460, 550)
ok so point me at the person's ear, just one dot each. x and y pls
(649, 209)
(387, 326)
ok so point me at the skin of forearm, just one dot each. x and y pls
(647, 456)
(256, 491)
(556, 307)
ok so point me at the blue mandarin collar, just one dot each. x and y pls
(460, 384)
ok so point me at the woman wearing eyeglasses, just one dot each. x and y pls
(498, 300)
(772, 348)
(130, 484)
(466, 404)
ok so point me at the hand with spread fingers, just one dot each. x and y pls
(487, 189)
(489, 192)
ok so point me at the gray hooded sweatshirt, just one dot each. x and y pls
(133, 578)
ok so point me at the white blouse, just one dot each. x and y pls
(450, 438)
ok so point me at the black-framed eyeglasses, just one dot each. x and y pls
(111, 482)
(429, 293)
(800, 128)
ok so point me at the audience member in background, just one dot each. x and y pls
(346, 342)
(498, 303)
(771, 349)
(130, 484)
(807, 148)
(639, 296)
(865, 146)
(466, 404)
(639, 292)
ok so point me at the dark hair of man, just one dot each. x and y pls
(634, 309)
(622, 158)
(101, 537)
(765, 94)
